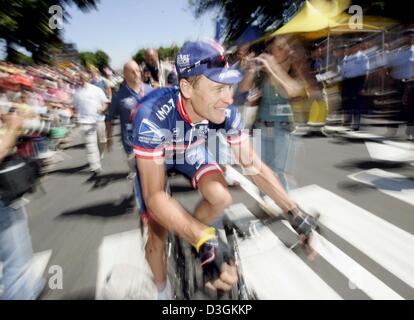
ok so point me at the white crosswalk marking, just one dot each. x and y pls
(392, 184)
(38, 265)
(388, 245)
(123, 252)
(274, 271)
(390, 151)
(358, 276)
(402, 145)
(362, 135)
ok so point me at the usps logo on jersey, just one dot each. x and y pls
(149, 132)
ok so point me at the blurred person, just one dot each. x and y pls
(408, 103)
(156, 72)
(402, 71)
(246, 94)
(146, 75)
(246, 65)
(98, 80)
(353, 70)
(331, 84)
(35, 141)
(281, 83)
(124, 102)
(90, 103)
(17, 279)
(108, 75)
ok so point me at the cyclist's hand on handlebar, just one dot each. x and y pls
(304, 224)
(216, 261)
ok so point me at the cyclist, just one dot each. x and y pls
(174, 128)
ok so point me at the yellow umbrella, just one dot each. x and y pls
(318, 18)
(314, 16)
(370, 24)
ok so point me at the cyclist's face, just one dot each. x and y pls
(211, 99)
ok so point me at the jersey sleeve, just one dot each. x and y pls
(234, 126)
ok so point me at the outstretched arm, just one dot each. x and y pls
(12, 123)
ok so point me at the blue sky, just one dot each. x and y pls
(122, 27)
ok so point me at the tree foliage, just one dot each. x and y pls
(139, 56)
(102, 60)
(87, 58)
(26, 23)
(98, 59)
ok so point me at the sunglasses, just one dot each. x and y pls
(212, 62)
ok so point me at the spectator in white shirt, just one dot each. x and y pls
(91, 103)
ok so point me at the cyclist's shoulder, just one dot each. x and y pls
(160, 95)
(158, 107)
(152, 102)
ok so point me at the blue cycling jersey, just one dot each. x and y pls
(163, 130)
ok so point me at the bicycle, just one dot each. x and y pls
(184, 267)
(186, 274)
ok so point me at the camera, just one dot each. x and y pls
(37, 126)
(34, 126)
(258, 62)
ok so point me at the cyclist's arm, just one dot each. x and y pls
(262, 175)
(164, 209)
